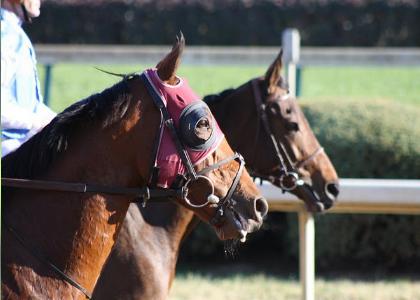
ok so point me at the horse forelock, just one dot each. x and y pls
(36, 155)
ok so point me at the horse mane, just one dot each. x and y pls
(216, 98)
(225, 94)
(36, 155)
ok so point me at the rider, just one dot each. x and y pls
(23, 112)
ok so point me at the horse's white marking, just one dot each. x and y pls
(244, 233)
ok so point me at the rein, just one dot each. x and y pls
(289, 178)
(144, 194)
(41, 257)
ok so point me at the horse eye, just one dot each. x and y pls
(273, 108)
(203, 129)
(203, 123)
(288, 110)
(196, 126)
(292, 126)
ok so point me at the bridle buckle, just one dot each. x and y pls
(290, 181)
(144, 197)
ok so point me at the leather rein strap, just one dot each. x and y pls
(140, 194)
(46, 261)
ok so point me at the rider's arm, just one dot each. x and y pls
(13, 115)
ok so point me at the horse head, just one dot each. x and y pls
(193, 157)
(316, 181)
(276, 139)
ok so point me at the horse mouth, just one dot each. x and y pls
(236, 227)
(312, 199)
(240, 226)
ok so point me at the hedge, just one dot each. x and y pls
(233, 22)
(369, 140)
(379, 139)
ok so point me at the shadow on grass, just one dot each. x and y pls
(286, 271)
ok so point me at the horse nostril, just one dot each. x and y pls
(261, 207)
(332, 189)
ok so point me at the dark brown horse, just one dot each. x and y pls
(55, 242)
(144, 268)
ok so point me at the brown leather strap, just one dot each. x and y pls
(309, 158)
(139, 193)
(41, 257)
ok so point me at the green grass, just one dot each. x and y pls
(194, 286)
(72, 82)
(401, 84)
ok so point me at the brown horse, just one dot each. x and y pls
(54, 242)
(146, 268)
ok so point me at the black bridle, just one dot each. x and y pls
(191, 175)
(141, 195)
(289, 178)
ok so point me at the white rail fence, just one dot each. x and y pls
(206, 55)
(211, 55)
(372, 196)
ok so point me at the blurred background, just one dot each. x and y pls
(365, 112)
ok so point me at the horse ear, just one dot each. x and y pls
(273, 74)
(167, 67)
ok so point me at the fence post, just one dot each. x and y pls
(299, 81)
(291, 55)
(307, 254)
(47, 84)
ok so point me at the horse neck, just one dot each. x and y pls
(168, 224)
(77, 231)
(174, 219)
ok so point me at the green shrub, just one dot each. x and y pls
(235, 22)
(375, 139)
